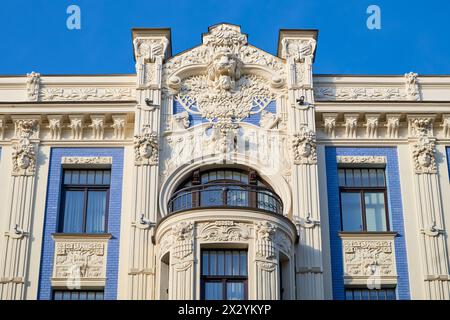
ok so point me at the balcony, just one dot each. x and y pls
(226, 195)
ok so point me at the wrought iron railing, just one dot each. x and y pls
(225, 195)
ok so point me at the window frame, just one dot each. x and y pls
(223, 279)
(362, 190)
(95, 291)
(85, 188)
(352, 289)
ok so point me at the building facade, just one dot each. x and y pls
(224, 172)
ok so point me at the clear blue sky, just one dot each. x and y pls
(414, 35)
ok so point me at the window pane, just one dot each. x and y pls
(349, 178)
(243, 266)
(357, 177)
(235, 263)
(91, 177)
(220, 263)
(375, 211)
(212, 263)
(67, 177)
(106, 177)
(341, 177)
(213, 291)
(351, 211)
(381, 178)
(235, 291)
(205, 263)
(365, 177)
(83, 177)
(75, 177)
(98, 177)
(228, 263)
(73, 212)
(96, 212)
(370, 294)
(373, 177)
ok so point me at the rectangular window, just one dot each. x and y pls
(77, 295)
(85, 197)
(370, 294)
(224, 274)
(363, 199)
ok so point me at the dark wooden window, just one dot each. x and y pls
(370, 294)
(85, 198)
(78, 295)
(224, 274)
(363, 197)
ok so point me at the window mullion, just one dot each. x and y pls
(363, 210)
(84, 227)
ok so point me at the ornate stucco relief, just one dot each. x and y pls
(33, 83)
(86, 160)
(80, 261)
(85, 94)
(361, 160)
(224, 231)
(24, 154)
(368, 258)
(304, 146)
(423, 144)
(146, 149)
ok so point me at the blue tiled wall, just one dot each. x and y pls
(52, 210)
(395, 212)
(195, 119)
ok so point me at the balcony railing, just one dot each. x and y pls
(224, 195)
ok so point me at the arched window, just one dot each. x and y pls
(225, 187)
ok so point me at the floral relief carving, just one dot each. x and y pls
(351, 125)
(224, 231)
(412, 86)
(392, 125)
(55, 124)
(76, 126)
(372, 126)
(146, 150)
(365, 257)
(421, 127)
(304, 146)
(358, 93)
(119, 123)
(90, 94)
(24, 158)
(329, 124)
(183, 243)
(361, 159)
(80, 260)
(87, 160)
(97, 126)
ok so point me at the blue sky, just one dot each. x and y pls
(414, 35)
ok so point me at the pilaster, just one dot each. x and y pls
(16, 240)
(151, 47)
(298, 48)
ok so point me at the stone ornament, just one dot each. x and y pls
(148, 51)
(304, 146)
(269, 120)
(412, 86)
(33, 82)
(183, 244)
(146, 148)
(329, 124)
(24, 158)
(55, 126)
(224, 231)
(361, 160)
(350, 125)
(392, 125)
(87, 160)
(76, 126)
(86, 94)
(368, 258)
(2, 127)
(119, 123)
(421, 127)
(98, 127)
(24, 128)
(372, 126)
(424, 156)
(178, 122)
(78, 261)
(265, 233)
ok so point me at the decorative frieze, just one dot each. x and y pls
(86, 161)
(224, 231)
(369, 259)
(86, 94)
(361, 160)
(33, 83)
(304, 146)
(146, 148)
(351, 125)
(360, 94)
(80, 261)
